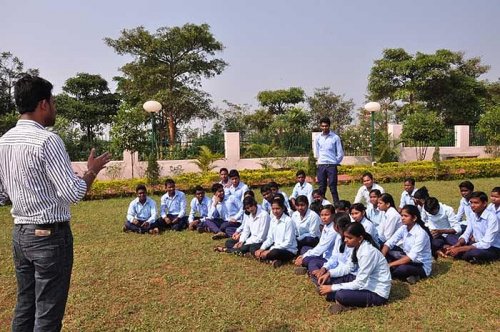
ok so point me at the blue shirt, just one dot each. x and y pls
(464, 210)
(495, 210)
(325, 246)
(229, 208)
(444, 219)
(281, 235)
(374, 214)
(339, 258)
(370, 228)
(267, 206)
(372, 269)
(485, 229)
(363, 194)
(307, 226)
(329, 149)
(406, 199)
(143, 212)
(416, 245)
(199, 209)
(304, 189)
(175, 205)
(238, 191)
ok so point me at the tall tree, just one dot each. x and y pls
(277, 101)
(11, 69)
(86, 100)
(444, 81)
(167, 66)
(325, 103)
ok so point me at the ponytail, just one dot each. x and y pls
(358, 230)
(414, 211)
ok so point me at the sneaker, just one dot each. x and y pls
(337, 308)
(300, 270)
(276, 263)
(412, 280)
(219, 236)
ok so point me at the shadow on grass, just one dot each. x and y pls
(278, 327)
(441, 267)
(399, 291)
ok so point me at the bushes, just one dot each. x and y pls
(389, 172)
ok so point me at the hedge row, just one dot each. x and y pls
(388, 172)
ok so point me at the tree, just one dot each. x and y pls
(489, 126)
(444, 81)
(206, 159)
(86, 100)
(11, 69)
(325, 103)
(277, 101)
(167, 66)
(422, 129)
(129, 131)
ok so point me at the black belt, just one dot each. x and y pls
(54, 226)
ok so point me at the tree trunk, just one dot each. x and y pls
(171, 131)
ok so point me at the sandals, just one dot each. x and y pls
(220, 249)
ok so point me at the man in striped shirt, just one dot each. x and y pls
(36, 174)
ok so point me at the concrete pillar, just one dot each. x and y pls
(232, 146)
(313, 138)
(130, 160)
(394, 130)
(462, 137)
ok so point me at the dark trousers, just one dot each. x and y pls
(251, 248)
(328, 172)
(181, 224)
(137, 228)
(337, 280)
(43, 267)
(212, 225)
(439, 242)
(229, 227)
(359, 298)
(306, 244)
(280, 254)
(480, 255)
(402, 272)
(313, 263)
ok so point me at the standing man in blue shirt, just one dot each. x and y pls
(329, 153)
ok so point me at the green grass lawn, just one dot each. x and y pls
(174, 282)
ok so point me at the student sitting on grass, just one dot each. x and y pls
(199, 208)
(371, 285)
(319, 197)
(443, 224)
(238, 188)
(302, 188)
(224, 211)
(340, 254)
(363, 194)
(224, 180)
(267, 197)
(407, 194)
(481, 240)
(315, 258)
(464, 209)
(307, 225)
(358, 214)
(413, 260)
(495, 202)
(256, 225)
(276, 190)
(235, 232)
(372, 211)
(172, 209)
(281, 244)
(391, 219)
(141, 214)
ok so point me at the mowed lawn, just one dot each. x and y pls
(175, 282)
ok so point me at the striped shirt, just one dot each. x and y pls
(36, 173)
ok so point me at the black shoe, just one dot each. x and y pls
(412, 280)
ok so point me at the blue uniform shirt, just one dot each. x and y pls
(143, 212)
(329, 149)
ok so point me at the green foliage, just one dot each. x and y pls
(489, 126)
(260, 150)
(11, 69)
(206, 158)
(325, 103)
(445, 81)
(386, 149)
(312, 167)
(421, 129)
(168, 66)
(153, 170)
(277, 101)
(86, 100)
(7, 121)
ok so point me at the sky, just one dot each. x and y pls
(268, 44)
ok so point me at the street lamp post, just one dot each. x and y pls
(152, 107)
(372, 107)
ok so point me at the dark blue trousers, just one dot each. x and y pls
(180, 225)
(441, 241)
(328, 172)
(43, 267)
(280, 254)
(137, 228)
(481, 255)
(307, 244)
(402, 272)
(359, 298)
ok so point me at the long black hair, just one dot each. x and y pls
(413, 211)
(342, 220)
(280, 200)
(357, 229)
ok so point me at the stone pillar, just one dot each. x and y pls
(130, 160)
(462, 137)
(394, 130)
(232, 146)
(313, 138)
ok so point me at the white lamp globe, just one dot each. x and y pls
(152, 106)
(372, 106)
